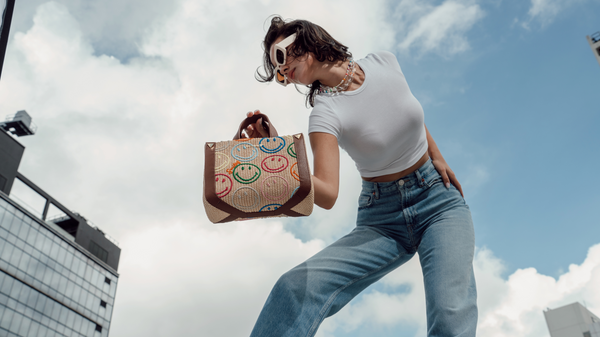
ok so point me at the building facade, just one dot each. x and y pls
(573, 320)
(594, 42)
(58, 274)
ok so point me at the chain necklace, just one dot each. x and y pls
(344, 84)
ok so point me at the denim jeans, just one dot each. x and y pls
(395, 220)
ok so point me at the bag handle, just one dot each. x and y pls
(266, 123)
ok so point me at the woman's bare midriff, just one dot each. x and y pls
(403, 173)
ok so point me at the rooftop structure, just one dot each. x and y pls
(594, 42)
(573, 320)
(19, 124)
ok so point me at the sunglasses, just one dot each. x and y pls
(281, 58)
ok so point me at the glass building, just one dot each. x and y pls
(49, 285)
(58, 272)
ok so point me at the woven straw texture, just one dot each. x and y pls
(257, 175)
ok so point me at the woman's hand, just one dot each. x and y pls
(440, 164)
(447, 174)
(255, 130)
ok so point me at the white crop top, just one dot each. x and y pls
(381, 124)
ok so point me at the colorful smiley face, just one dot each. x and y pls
(271, 145)
(246, 198)
(291, 150)
(222, 146)
(295, 190)
(223, 184)
(246, 173)
(275, 188)
(294, 171)
(221, 161)
(244, 152)
(270, 207)
(275, 163)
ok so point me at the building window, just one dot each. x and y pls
(102, 304)
(98, 251)
(587, 334)
(98, 328)
(107, 280)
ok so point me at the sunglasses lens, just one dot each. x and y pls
(280, 77)
(280, 57)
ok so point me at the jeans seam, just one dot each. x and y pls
(321, 317)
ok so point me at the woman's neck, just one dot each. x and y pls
(332, 73)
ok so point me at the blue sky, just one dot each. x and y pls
(529, 115)
(125, 93)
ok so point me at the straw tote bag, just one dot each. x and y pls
(257, 177)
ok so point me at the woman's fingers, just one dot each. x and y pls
(251, 131)
(260, 129)
(445, 178)
(456, 183)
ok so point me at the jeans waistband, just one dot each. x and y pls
(419, 177)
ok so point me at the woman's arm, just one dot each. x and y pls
(440, 164)
(326, 179)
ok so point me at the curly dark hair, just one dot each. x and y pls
(310, 38)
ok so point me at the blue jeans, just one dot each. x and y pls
(395, 220)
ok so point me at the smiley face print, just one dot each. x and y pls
(294, 171)
(246, 173)
(291, 150)
(270, 207)
(275, 188)
(246, 198)
(244, 152)
(221, 161)
(223, 185)
(221, 146)
(275, 163)
(271, 145)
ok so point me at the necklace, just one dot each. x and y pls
(344, 84)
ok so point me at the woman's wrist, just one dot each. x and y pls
(435, 155)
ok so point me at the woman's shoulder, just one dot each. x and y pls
(382, 56)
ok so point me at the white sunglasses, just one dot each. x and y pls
(281, 58)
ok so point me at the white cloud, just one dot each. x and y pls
(528, 293)
(184, 278)
(545, 11)
(441, 29)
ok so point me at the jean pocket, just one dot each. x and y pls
(365, 200)
(434, 180)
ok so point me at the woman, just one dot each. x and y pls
(411, 201)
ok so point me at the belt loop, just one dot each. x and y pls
(376, 190)
(419, 178)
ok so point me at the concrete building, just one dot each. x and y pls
(573, 320)
(58, 272)
(594, 42)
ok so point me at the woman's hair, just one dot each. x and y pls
(309, 38)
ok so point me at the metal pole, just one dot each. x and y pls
(6, 20)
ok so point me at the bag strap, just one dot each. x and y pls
(266, 123)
